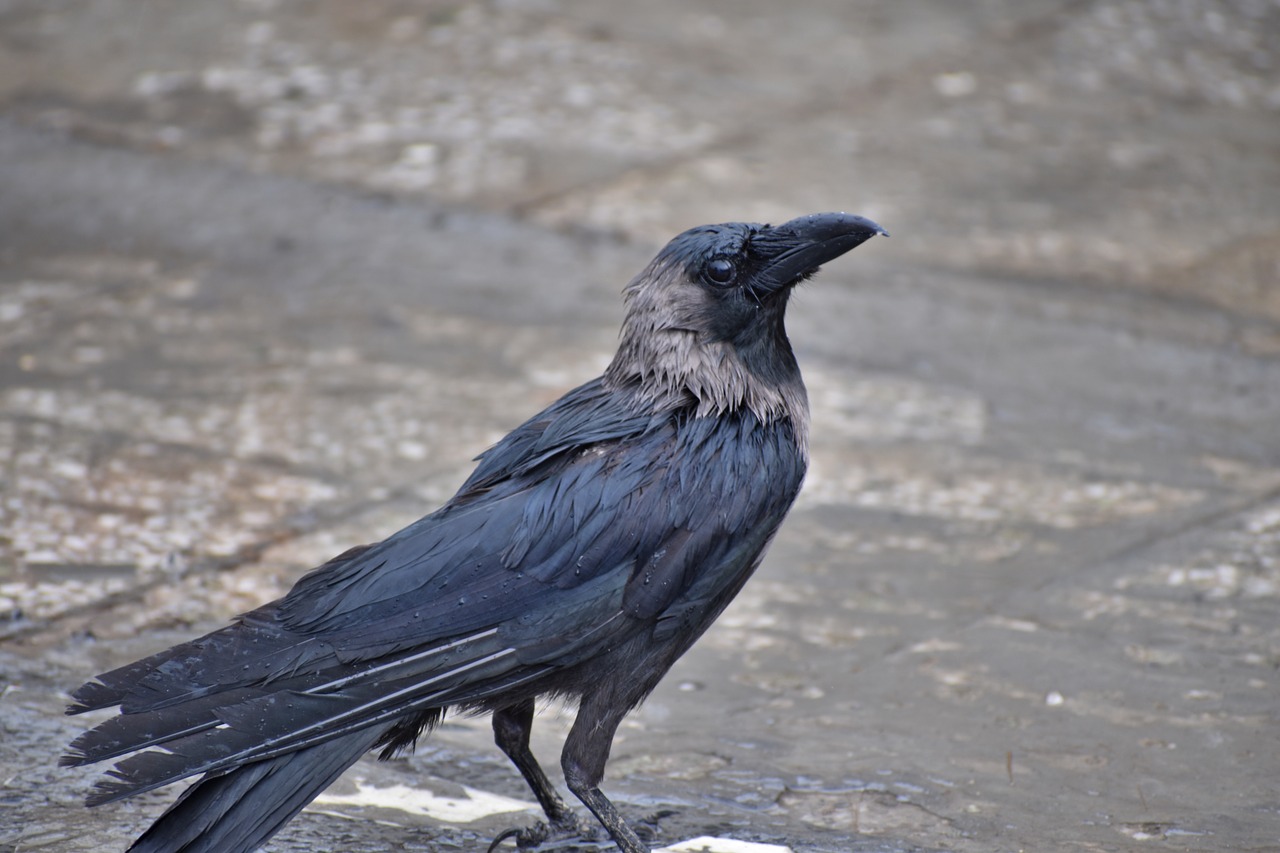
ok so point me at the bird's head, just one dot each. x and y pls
(704, 320)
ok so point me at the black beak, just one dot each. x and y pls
(797, 248)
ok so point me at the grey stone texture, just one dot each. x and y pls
(272, 271)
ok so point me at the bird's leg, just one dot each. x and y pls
(511, 728)
(586, 751)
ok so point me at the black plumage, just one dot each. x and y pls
(585, 554)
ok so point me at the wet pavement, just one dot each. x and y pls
(272, 271)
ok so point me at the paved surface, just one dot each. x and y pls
(272, 270)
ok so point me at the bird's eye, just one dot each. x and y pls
(721, 271)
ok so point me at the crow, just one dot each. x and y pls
(588, 550)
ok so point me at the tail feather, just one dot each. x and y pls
(123, 734)
(219, 749)
(279, 710)
(236, 812)
(206, 736)
(112, 688)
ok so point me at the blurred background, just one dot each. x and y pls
(272, 271)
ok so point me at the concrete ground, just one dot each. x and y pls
(272, 271)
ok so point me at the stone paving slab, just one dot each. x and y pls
(1123, 142)
(272, 271)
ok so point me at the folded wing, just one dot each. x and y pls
(556, 550)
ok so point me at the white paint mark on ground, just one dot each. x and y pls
(708, 844)
(476, 805)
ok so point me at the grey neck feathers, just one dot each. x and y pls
(668, 361)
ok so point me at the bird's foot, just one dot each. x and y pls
(569, 835)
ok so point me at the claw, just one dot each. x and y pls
(650, 828)
(510, 833)
(569, 836)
